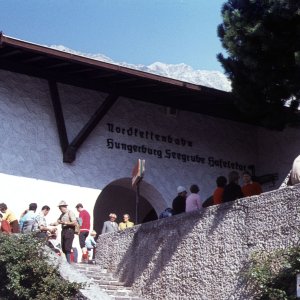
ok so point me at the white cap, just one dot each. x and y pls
(62, 203)
(181, 189)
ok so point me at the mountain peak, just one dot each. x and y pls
(181, 71)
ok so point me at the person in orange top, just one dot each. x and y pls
(250, 188)
(218, 193)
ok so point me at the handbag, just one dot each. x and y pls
(76, 226)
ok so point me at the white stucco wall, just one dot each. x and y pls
(30, 146)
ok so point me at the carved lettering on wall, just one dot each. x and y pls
(149, 135)
(166, 153)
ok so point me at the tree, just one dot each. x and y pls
(262, 40)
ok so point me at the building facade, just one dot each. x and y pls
(179, 147)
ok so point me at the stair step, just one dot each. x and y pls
(120, 294)
(107, 282)
(125, 298)
(106, 276)
(100, 275)
(86, 267)
(114, 287)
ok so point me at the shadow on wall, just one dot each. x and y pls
(154, 248)
(120, 198)
(159, 248)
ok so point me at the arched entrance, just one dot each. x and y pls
(119, 197)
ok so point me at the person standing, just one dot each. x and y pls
(111, 225)
(85, 225)
(232, 190)
(219, 191)
(250, 188)
(67, 220)
(193, 201)
(27, 221)
(178, 203)
(10, 217)
(126, 222)
(43, 231)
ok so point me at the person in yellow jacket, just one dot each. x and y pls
(126, 223)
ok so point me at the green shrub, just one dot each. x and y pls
(26, 274)
(272, 276)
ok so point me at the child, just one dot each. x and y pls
(90, 244)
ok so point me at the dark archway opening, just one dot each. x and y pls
(120, 200)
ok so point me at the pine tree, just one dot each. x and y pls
(262, 40)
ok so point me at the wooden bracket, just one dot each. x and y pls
(69, 149)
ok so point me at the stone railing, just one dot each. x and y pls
(202, 255)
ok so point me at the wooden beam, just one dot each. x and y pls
(70, 153)
(59, 116)
(33, 59)
(11, 53)
(57, 65)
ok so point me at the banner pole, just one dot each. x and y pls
(137, 202)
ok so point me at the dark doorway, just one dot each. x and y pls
(120, 200)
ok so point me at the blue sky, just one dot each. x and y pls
(131, 31)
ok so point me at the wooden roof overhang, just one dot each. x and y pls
(58, 66)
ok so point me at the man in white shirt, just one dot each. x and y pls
(111, 225)
(43, 231)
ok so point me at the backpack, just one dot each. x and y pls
(168, 212)
(77, 227)
(77, 224)
(28, 222)
(28, 226)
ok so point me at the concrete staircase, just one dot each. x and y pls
(107, 282)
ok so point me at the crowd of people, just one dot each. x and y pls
(225, 191)
(32, 222)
